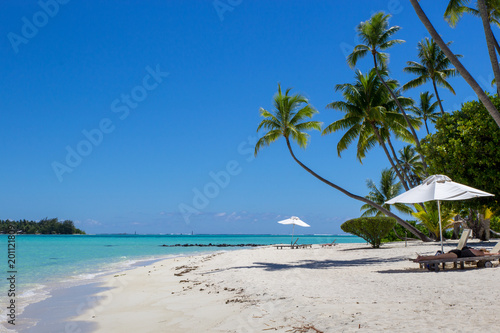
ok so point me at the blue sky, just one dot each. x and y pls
(141, 116)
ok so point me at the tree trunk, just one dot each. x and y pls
(489, 41)
(382, 144)
(396, 233)
(484, 228)
(458, 65)
(497, 47)
(456, 228)
(473, 223)
(403, 171)
(439, 101)
(393, 95)
(402, 222)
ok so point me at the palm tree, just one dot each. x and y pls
(429, 217)
(287, 120)
(456, 8)
(388, 189)
(489, 12)
(376, 34)
(488, 104)
(410, 162)
(365, 115)
(426, 110)
(433, 66)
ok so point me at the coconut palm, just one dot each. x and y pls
(456, 8)
(289, 120)
(376, 34)
(433, 66)
(388, 189)
(410, 162)
(429, 217)
(368, 116)
(489, 12)
(426, 110)
(488, 104)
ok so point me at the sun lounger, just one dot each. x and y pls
(293, 246)
(463, 239)
(481, 261)
(330, 244)
(496, 248)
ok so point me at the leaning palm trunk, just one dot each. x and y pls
(393, 95)
(439, 101)
(403, 170)
(458, 65)
(382, 144)
(398, 236)
(497, 47)
(403, 223)
(489, 41)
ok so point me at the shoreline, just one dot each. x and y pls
(49, 263)
(47, 309)
(343, 288)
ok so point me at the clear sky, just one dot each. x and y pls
(141, 116)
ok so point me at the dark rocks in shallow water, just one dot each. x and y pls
(213, 245)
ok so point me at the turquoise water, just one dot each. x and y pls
(44, 262)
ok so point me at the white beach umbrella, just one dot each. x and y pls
(439, 188)
(295, 221)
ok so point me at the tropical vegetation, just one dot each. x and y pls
(426, 110)
(289, 120)
(45, 226)
(429, 217)
(370, 117)
(434, 66)
(371, 229)
(388, 188)
(483, 97)
(376, 114)
(465, 147)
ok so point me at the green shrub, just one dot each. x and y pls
(371, 229)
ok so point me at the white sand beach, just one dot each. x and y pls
(346, 288)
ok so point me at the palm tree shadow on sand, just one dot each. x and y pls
(314, 264)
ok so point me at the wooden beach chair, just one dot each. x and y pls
(496, 248)
(463, 239)
(293, 246)
(330, 244)
(481, 262)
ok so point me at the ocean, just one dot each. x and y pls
(46, 264)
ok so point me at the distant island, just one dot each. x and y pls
(44, 227)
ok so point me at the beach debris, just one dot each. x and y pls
(187, 269)
(304, 329)
(272, 328)
(241, 299)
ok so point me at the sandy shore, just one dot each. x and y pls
(349, 287)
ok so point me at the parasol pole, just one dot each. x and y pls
(440, 227)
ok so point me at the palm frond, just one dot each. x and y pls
(359, 52)
(267, 139)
